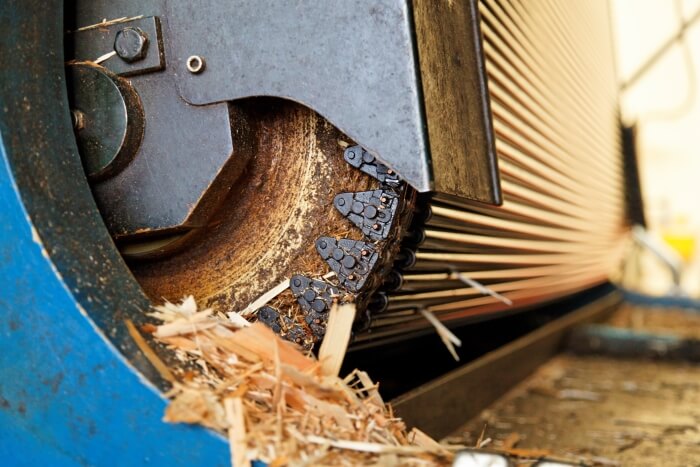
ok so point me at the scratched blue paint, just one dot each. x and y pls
(66, 396)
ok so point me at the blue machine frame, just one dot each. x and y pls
(74, 389)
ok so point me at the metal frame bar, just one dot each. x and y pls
(73, 388)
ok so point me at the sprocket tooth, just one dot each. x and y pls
(285, 327)
(271, 318)
(357, 157)
(315, 298)
(372, 211)
(352, 260)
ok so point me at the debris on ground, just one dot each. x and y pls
(277, 403)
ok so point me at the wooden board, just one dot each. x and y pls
(456, 100)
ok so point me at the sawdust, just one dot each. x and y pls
(278, 404)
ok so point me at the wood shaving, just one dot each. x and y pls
(277, 404)
(265, 298)
(448, 338)
(105, 23)
(337, 338)
(105, 57)
(152, 357)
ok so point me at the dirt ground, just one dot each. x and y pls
(601, 411)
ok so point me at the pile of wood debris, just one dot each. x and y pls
(276, 403)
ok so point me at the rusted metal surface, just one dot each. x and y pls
(266, 228)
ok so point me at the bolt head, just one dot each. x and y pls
(338, 254)
(131, 44)
(370, 212)
(349, 262)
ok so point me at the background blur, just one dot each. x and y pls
(666, 107)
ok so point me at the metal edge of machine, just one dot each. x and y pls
(74, 388)
(376, 70)
(442, 405)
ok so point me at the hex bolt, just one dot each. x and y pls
(131, 44)
(195, 64)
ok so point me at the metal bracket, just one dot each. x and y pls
(372, 211)
(315, 298)
(359, 158)
(284, 326)
(95, 41)
(406, 80)
(351, 260)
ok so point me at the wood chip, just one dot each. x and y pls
(448, 338)
(260, 340)
(235, 416)
(510, 441)
(149, 353)
(277, 404)
(419, 438)
(265, 298)
(335, 342)
(105, 57)
(105, 23)
(480, 287)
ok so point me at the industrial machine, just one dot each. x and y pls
(461, 157)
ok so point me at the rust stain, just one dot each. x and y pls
(266, 228)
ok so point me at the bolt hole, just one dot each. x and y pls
(195, 64)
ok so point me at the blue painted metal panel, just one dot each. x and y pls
(663, 301)
(74, 389)
(67, 397)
